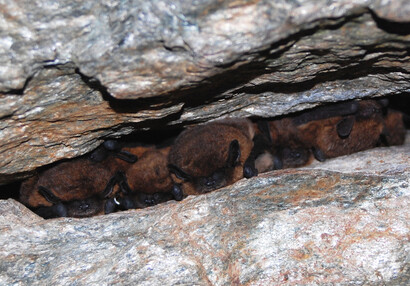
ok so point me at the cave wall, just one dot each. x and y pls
(74, 73)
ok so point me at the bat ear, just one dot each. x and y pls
(99, 155)
(384, 102)
(179, 173)
(109, 206)
(126, 156)
(48, 195)
(344, 127)
(263, 127)
(234, 153)
(126, 203)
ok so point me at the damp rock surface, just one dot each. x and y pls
(75, 72)
(318, 225)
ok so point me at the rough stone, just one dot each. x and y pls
(344, 222)
(60, 116)
(139, 48)
(66, 65)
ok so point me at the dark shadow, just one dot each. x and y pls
(398, 28)
(10, 191)
(125, 105)
(20, 91)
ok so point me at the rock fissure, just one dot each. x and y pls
(76, 73)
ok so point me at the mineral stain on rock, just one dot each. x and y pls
(319, 224)
(182, 63)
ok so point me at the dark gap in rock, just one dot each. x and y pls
(157, 135)
(94, 84)
(214, 87)
(10, 191)
(125, 105)
(162, 137)
(398, 28)
(401, 102)
(69, 66)
(347, 73)
(20, 91)
(159, 132)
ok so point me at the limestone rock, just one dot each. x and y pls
(324, 224)
(139, 48)
(65, 66)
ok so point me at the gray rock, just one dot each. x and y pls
(319, 225)
(139, 49)
(65, 65)
(66, 69)
(59, 116)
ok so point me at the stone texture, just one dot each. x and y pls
(319, 225)
(75, 72)
(67, 120)
(139, 48)
(65, 66)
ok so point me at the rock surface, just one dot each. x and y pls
(64, 63)
(139, 48)
(344, 222)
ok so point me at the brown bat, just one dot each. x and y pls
(210, 156)
(344, 134)
(77, 188)
(81, 187)
(149, 180)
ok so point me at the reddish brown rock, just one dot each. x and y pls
(320, 225)
(65, 68)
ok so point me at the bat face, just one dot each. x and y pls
(85, 208)
(294, 157)
(91, 206)
(148, 181)
(74, 188)
(289, 149)
(210, 156)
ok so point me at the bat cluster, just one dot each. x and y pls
(120, 176)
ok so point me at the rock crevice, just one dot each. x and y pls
(320, 224)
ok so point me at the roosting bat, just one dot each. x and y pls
(346, 134)
(148, 181)
(210, 156)
(326, 131)
(75, 183)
